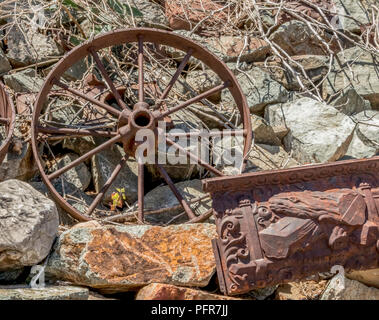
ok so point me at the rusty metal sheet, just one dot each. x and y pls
(7, 121)
(280, 226)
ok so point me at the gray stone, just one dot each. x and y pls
(353, 13)
(103, 164)
(365, 143)
(263, 132)
(260, 90)
(266, 157)
(162, 197)
(28, 225)
(47, 293)
(295, 38)
(27, 47)
(264, 293)
(80, 145)
(79, 176)
(351, 290)
(7, 277)
(350, 103)
(318, 132)
(18, 164)
(24, 81)
(365, 77)
(4, 63)
(203, 80)
(153, 15)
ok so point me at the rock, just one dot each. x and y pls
(80, 145)
(351, 290)
(368, 277)
(266, 157)
(263, 132)
(79, 176)
(28, 47)
(365, 143)
(123, 258)
(263, 293)
(260, 90)
(162, 197)
(11, 276)
(47, 293)
(186, 16)
(314, 66)
(103, 164)
(153, 14)
(318, 132)
(204, 116)
(350, 103)
(365, 78)
(304, 290)
(74, 196)
(229, 48)
(295, 38)
(28, 225)
(280, 131)
(24, 81)
(160, 291)
(203, 80)
(352, 14)
(18, 165)
(4, 63)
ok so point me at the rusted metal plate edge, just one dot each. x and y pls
(292, 175)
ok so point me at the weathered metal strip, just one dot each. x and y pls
(281, 226)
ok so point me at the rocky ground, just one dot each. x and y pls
(312, 87)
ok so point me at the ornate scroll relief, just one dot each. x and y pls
(285, 225)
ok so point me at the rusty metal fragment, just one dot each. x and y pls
(7, 121)
(281, 226)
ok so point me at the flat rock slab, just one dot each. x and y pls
(160, 291)
(47, 293)
(123, 258)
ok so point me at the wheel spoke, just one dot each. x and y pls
(106, 186)
(141, 191)
(174, 78)
(141, 94)
(100, 104)
(108, 80)
(84, 157)
(194, 99)
(176, 192)
(195, 158)
(4, 121)
(76, 132)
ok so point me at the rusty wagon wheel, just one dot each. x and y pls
(118, 96)
(7, 121)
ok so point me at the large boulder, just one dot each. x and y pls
(318, 132)
(260, 90)
(124, 258)
(358, 71)
(28, 225)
